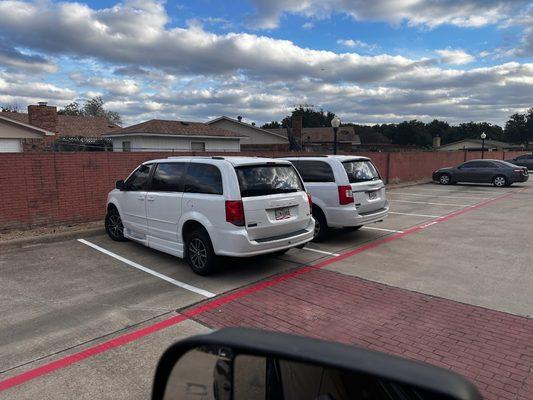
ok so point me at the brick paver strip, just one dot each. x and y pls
(491, 348)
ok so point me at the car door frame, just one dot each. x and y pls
(167, 240)
(136, 226)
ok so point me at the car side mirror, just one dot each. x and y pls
(238, 363)
(120, 184)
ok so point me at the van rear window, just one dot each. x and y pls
(262, 180)
(360, 171)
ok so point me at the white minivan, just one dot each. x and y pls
(200, 208)
(347, 191)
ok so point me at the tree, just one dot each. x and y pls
(271, 125)
(92, 108)
(310, 117)
(71, 109)
(516, 128)
(13, 107)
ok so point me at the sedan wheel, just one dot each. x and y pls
(499, 181)
(445, 179)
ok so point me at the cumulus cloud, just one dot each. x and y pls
(431, 13)
(146, 69)
(12, 58)
(455, 56)
(352, 44)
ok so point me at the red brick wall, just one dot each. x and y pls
(56, 188)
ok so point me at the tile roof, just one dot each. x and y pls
(175, 128)
(72, 125)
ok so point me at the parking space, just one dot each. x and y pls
(59, 298)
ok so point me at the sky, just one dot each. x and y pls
(367, 61)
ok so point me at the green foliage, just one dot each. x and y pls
(92, 108)
(519, 127)
(311, 118)
(271, 125)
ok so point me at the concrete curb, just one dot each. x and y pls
(51, 238)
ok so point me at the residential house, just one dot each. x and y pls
(255, 138)
(476, 145)
(37, 129)
(165, 135)
(349, 138)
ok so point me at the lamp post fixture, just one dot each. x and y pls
(483, 137)
(335, 123)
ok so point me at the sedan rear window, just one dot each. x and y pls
(261, 180)
(360, 171)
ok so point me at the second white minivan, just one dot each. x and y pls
(200, 208)
(347, 191)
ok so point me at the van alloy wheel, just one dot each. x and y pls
(114, 226)
(197, 253)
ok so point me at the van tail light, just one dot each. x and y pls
(310, 201)
(235, 212)
(345, 195)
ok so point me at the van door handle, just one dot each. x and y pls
(141, 198)
(150, 198)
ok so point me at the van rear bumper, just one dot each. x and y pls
(346, 217)
(237, 244)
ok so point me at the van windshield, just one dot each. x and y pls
(360, 171)
(261, 180)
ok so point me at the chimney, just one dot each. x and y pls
(436, 142)
(297, 123)
(239, 118)
(43, 116)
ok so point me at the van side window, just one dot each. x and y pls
(168, 177)
(139, 179)
(203, 178)
(314, 171)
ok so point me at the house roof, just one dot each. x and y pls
(160, 127)
(31, 127)
(235, 121)
(478, 143)
(72, 125)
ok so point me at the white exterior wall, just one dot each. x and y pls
(161, 143)
(255, 136)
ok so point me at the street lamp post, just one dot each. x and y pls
(335, 123)
(483, 137)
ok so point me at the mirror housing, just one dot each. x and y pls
(120, 184)
(337, 361)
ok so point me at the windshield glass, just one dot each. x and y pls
(261, 180)
(360, 171)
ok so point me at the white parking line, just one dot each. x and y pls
(415, 215)
(433, 204)
(434, 195)
(320, 251)
(381, 229)
(182, 285)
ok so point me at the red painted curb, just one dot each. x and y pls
(224, 299)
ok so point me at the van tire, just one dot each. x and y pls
(321, 225)
(113, 225)
(199, 253)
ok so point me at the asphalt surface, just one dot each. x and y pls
(58, 299)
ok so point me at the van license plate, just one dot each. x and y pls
(282, 213)
(373, 195)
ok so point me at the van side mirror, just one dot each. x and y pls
(120, 184)
(238, 363)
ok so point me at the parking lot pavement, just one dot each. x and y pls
(57, 299)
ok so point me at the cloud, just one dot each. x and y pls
(146, 69)
(12, 58)
(308, 25)
(351, 43)
(431, 13)
(455, 56)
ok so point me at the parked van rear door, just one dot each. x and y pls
(274, 200)
(367, 186)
